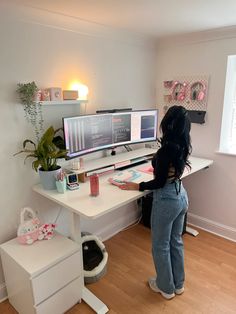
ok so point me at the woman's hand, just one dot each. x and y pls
(129, 186)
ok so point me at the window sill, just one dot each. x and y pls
(226, 153)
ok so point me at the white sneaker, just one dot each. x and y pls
(179, 291)
(153, 286)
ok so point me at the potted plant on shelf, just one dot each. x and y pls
(29, 97)
(46, 154)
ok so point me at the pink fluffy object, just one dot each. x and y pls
(46, 231)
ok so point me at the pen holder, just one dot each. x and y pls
(61, 186)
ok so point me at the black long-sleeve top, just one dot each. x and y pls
(163, 164)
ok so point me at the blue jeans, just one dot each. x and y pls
(169, 206)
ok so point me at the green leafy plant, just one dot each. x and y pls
(46, 153)
(33, 109)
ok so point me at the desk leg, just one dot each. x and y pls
(189, 230)
(97, 305)
(192, 231)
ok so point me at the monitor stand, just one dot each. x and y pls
(128, 148)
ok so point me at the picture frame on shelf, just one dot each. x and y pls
(55, 93)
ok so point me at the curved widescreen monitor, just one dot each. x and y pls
(90, 133)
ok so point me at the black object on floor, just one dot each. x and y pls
(146, 202)
(92, 255)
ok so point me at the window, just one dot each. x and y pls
(228, 126)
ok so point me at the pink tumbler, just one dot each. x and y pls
(94, 185)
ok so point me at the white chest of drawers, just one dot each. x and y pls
(45, 277)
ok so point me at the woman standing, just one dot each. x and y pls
(170, 202)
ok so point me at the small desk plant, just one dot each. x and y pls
(46, 153)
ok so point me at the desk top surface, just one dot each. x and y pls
(110, 197)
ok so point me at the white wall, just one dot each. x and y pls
(118, 69)
(212, 192)
(54, 50)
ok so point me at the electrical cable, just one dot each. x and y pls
(137, 221)
(58, 215)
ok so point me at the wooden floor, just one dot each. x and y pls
(210, 287)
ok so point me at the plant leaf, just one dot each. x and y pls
(28, 141)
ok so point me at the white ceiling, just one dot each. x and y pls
(158, 18)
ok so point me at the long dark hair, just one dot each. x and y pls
(175, 128)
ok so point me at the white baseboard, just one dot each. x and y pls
(3, 292)
(212, 227)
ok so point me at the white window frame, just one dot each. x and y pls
(228, 125)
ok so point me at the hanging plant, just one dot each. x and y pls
(33, 109)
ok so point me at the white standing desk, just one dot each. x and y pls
(80, 203)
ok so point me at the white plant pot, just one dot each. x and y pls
(48, 178)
